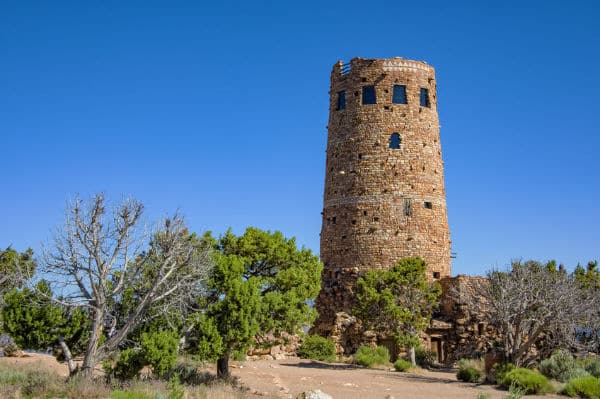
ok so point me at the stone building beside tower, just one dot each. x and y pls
(384, 196)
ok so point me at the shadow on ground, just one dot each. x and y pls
(325, 366)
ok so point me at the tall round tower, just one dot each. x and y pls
(384, 194)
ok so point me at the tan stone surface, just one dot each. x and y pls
(370, 187)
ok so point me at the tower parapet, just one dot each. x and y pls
(384, 196)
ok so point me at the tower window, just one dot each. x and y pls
(424, 97)
(341, 100)
(427, 205)
(368, 95)
(395, 141)
(399, 94)
(407, 207)
(436, 275)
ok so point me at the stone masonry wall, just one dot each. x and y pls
(380, 204)
(461, 328)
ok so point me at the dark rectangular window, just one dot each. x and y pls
(368, 95)
(424, 97)
(399, 94)
(341, 100)
(428, 205)
(436, 275)
(407, 207)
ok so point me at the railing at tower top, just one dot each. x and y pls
(345, 70)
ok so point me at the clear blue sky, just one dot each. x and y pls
(220, 110)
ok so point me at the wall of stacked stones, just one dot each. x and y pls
(468, 334)
(381, 204)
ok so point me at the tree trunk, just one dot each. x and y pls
(411, 353)
(68, 356)
(91, 353)
(223, 367)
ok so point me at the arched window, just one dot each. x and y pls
(395, 141)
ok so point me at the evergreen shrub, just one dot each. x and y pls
(402, 365)
(368, 356)
(531, 381)
(316, 347)
(584, 387)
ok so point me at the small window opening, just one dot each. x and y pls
(363, 79)
(359, 156)
(427, 205)
(399, 94)
(424, 97)
(407, 207)
(436, 275)
(368, 95)
(333, 220)
(365, 213)
(376, 219)
(480, 328)
(341, 100)
(354, 222)
(395, 141)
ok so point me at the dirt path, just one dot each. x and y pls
(288, 378)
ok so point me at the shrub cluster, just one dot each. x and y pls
(158, 349)
(469, 370)
(530, 381)
(369, 356)
(425, 358)
(591, 364)
(402, 365)
(562, 367)
(498, 372)
(469, 374)
(316, 347)
(584, 387)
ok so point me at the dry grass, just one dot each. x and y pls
(19, 380)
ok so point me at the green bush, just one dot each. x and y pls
(316, 347)
(584, 387)
(129, 364)
(529, 380)
(425, 358)
(591, 364)
(470, 370)
(402, 365)
(562, 367)
(498, 372)
(369, 356)
(187, 372)
(130, 395)
(469, 374)
(160, 350)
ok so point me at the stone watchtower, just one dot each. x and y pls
(384, 194)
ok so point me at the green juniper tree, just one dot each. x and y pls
(261, 284)
(15, 267)
(34, 321)
(398, 301)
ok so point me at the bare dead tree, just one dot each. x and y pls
(98, 255)
(535, 309)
